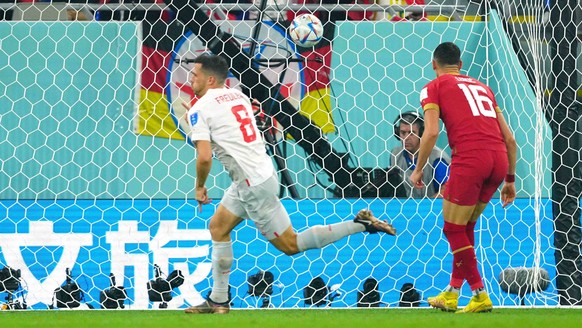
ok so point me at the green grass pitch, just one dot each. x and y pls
(295, 318)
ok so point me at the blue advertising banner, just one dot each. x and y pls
(94, 238)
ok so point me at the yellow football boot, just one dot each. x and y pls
(478, 303)
(446, 301)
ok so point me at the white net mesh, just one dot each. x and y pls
(97, 175)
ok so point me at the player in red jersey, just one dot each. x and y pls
(483, 154)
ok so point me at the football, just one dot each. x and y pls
(306, 30)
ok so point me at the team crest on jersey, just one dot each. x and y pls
(193, 118)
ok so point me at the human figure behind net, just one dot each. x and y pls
(484, 153)
(222, 122)
(408, 128)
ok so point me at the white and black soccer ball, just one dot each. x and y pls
(306, 30)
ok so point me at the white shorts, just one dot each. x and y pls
(261, 204)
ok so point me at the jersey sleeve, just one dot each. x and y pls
(198, 126)
(429, 96)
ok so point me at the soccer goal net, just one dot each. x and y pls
(97, 170)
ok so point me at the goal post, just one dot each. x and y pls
(564, 116)
(97, 170)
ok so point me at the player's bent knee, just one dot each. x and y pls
(217, 232)
(286, 241)
(286, 245)
(289, 251)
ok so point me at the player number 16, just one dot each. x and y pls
(478, 100)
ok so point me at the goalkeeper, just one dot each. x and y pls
(484, 153)
(222, 121)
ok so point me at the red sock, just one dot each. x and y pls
(457, 239)
(464, 259)
(470, 230)
(475, 281)
(456, 278)
(468, 265)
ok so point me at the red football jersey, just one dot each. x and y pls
(468, 109)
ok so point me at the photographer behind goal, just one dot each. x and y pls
(408, 128)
